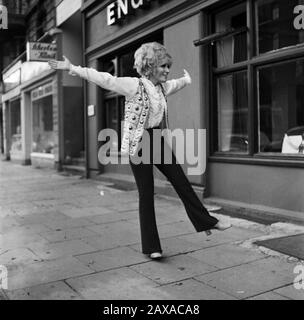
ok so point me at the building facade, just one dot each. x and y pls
(43, 107)
(12, 44)
(246, 62)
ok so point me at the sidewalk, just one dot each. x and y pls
(64, 237)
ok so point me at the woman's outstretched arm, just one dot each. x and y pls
(172, 86)
(126, 86)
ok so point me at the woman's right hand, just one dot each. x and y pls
(60, 65)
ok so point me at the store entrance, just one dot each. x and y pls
(119, 64)
(15, 128)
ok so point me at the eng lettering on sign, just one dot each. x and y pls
(119, 9)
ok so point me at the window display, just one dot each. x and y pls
(259, 95)
(43, 134)
(281, 100)
(15, 125)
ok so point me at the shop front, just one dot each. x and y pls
(246, 60)
(256, 104)
(11, 114)
(44, 126)
(30, 114)
(42, 116)
(114, 31)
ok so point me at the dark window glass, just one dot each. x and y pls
(127, 65)
(44, 140)
(275, 27)
(232, 49)
(281, 100)
(15, 126)
(232, 113)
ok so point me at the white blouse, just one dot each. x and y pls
(127, 86)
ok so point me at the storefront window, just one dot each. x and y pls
(231, 49)
(233, 113)
(15, 125)
(43, 132)
(127, 65)
(258, 100)
(281, 100)
(275, 28)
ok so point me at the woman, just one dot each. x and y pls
(145, 111)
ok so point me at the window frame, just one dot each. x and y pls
(253, 62)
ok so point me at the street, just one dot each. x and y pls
(64, 237)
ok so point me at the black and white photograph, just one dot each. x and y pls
(151, 153)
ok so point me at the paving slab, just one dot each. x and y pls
(163, 217)
(7, 223)
(268, 296)
(113, 258)
(41, 217)
(26, 229)
(69, 223)
(231, 235)
(51, 251)
(114, 217)
(68, 234)
(173, 269)
(13, 241)
(18, 256)
(251, 279)
(119, 284)
(50, 291)
(85, 212)
(23, 276)
(194, 290)
(109, 239)
(226, 256)
(291, 292)
(175, 229)
(116, 227)
(174, 246)
(121, 207)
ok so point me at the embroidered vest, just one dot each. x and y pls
(137, 109)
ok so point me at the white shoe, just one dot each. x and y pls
(156, 255)
(222, 226)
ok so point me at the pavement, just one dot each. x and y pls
(63, 237)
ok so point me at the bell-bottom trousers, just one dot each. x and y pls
(143, 173)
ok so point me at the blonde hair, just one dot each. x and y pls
(148, 56)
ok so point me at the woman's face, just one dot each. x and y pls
(160, 72)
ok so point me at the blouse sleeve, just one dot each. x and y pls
(173, 86)
(126, 86)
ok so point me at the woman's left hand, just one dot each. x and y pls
(187, 76)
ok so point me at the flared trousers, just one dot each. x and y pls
(143, 174)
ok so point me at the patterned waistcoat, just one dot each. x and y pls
(137, 110)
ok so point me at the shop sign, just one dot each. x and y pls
(38, 51)
(42, 92)
(119, 9)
